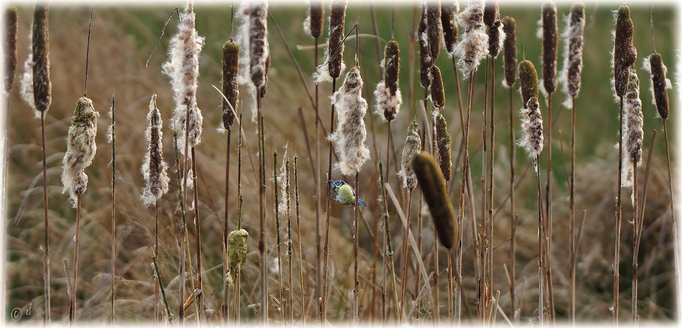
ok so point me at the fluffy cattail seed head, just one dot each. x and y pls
(550, 39)
(258, 42)
(529, 80)
(237, 250)
(80, 148)
(531, 125)
(448, 13)
(433, 28)
(659, 83)
(413, 145)
(437, 90)
(624, 51)
(443, 141)
(474, 44)
(573, 52)
(10, 23)
(230, 85)
(42, 87)
(425, 60)
(432, 184)
(496, 36)
(349, 137)
(632, 129)
(153, 167)
(387, 94)
(337, 23)
(315, 19)
(509, 24)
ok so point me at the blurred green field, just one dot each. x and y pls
(123, 37)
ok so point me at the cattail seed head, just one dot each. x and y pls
(474, 44)
(413, 145)
(425, 60)
(432, 184)
(659, 83)
(237, 250)
(529, 80)
(42, 87)
(573, 52)
(80, 148)
(230, 85)
(337, 23)
(284, 185)
(387, 94)
(448, 13)
(258, 42)
(531, 125)
(315, 20)
(550, 39)
(10, 23)
(433, 28)
(153, 167)
(264, 88)
(624, 51)
(496, 35)
(632, 129)
(391, 64)
(443, 142)
(350, 134)
(437, 90)
(509, 24)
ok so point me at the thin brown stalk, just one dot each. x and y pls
(226, 230)
(113, 222)
(163, 292)
(261, 204)
(389, 249)
(436, 279)
(356, 247)
(323, 305)
(491, 176)
(571, 224)
(47, 231)
(619, 217)
(277, 228)
(417, 281)
(405, 260)
(318, 233)
(72, 314)
(512, 159)
(157, 283)
(298, 232)
(636, 235)
(450, 317)
(541, 245)
(201, 315)
(290, 301)
(483, 299)
(672, 205)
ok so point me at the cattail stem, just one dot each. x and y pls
(298, 232)
(436, 279)
(290, 301)
(491, 175)
(417, 282)
(277, 228)
(619, 214)
(548, 212)
(226, 226)
(318, 234)
(541, 245)
(389, 249)
(157, 282)
(198, 304)
(163, 292)
(672, 204)
(48, 316)
(571, 225)
(512, 159)
(261, 204)
(636, 235)
(405, 261)
(323, 306)
(450, 318)
(113, 220)
(72, 317)
(356, 246)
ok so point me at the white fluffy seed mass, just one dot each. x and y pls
(386, 102)
(474, 44)
(26, 80)
(349, 137)
(80, 149)
(531, 126)
(633, 136)
(153, 167)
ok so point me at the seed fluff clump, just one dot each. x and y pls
(531, 125)
(80, 149)
(153, 167)
(474, 44)
(413, 145)
(632, 129)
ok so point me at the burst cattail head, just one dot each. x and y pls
(509, 24)
(433, 28)
(337, 23)
(425, 60)
(443, 142)
(230, 85)
(387, 94)
(80, 148)
(550, 39)
(573, 52)
(284, 184)
(432, 184)
(183, 70)
(624, 51)
(10, 23)
(448, 13)
(529, 80)
(237, 250)
(632, 127)
(349, 137)
(659, 83)
(474, 44)
(531, 125)
(496, 36)
(413, 145)
(315, 20)
(258, 42)
(42, 87)
(437, 90)
(153, 167)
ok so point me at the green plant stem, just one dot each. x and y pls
(160, 284)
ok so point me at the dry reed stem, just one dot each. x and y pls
(111, 137)
(163, 292)
(389, 248)
(298, 232)
(279, 205)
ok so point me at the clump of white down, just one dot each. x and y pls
(153, 167)
(80, 149)
(242, 38)
(386, 101)
(474, 44)
(531, 126)
(283, 206)
(633, 136)
(26, 81)
(321, 73)
(573, 55)
(350, 134)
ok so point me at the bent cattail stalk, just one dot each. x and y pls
(437, 90)
(550, 40)
(42, 87)
(509, 24)
(80, 149)
(433, 28)
(413, 145)
(10, 23)
(531, 124)
(573, 52)
(314, 23)
(529, 81)
(425, 60)
(448, 15)
(659, 83)
(350, 134)
(387, 94)
(153, 167)
(230, 85)
(624, 51)
(474, 45)
(632, 130)
(433, 186)
(496, 35)
(443, 142)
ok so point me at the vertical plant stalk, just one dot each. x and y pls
(261, 198)
(356, 247)
(323, 306)
(163, 292)
(237, 282)
(279, 242)
(72, 307)
(290, 301)
(389, 249)
(509, 26)
(201, 315)
(541, 246)
(298, 232)
(113, 223)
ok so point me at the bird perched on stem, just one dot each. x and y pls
(345, 194)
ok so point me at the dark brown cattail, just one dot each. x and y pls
(474, 44)
(573, 53)
(230, 85)
(413, 145)
(10, 23)
(509, 51)
(624, 51)
(264, 87)
(337, 23)
(633, 136)
(387, 93)
(550, 39)
(392, 65)
(448, 14)
(433, 28)
(443, 141)
(42, 87)
(316, 17)
(496, 36)
(258, 42)
(659, 83)
(425, 60)
(433, 186)
(437, 90)
(529, 80)
(531, 125)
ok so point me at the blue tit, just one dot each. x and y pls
(344, 193)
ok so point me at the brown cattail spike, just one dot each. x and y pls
(491, 18)
(433, 186)
(509, 24)
(529, 80)
(230, 85)
(550, 39)
(316, 18)
(437, 90)
(264, 87)
(413, 145)
(573, 58)
(258, 42)
(660, 84)
(450, 27)
(433, 28)
(624, 52)
(10, 23)
(387, 94)
(425, 60)
(392, 65)
(42, 87)
(443, 142)
(337, 23)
